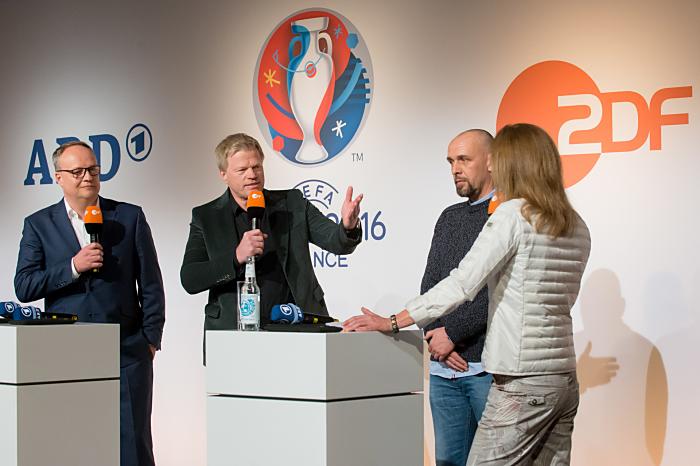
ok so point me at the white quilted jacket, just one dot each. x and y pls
(533, 281)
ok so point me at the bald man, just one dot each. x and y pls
(458, 384)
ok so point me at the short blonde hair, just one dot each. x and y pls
(232, 144)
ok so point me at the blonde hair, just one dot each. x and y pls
(526, 164)
(232, 144)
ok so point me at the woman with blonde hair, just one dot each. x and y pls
(532, 254)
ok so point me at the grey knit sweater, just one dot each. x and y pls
(455, 232)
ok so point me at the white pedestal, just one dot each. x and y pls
(314, 399)
(59, 395)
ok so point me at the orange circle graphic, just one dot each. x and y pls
(533, 98)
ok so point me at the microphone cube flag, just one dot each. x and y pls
(8, 307)
(289, 314)
(93, 220)
(255, 205)
(13, 311)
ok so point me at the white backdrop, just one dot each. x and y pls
(186, 71)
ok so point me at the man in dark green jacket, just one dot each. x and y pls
(221, 240)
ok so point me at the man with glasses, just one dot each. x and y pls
(117, 280)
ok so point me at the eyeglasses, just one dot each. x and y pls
(80, 172)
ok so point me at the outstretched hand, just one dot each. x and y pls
(350, 212)
(367, 322)
(593, 371)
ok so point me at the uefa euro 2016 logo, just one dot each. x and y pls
(313, 82)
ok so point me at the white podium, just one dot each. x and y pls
(311, 399)
(59, 395)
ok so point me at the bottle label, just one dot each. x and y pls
(249, 308)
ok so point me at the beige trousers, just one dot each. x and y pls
(527, 421)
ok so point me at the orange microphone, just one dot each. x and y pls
(93, 224)
(495, 201)
(255, 207)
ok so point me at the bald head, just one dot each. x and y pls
(468, 155)
(479, 136)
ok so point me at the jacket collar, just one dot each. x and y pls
(59, 216)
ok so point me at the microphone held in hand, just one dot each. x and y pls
(255, 207)
(292, 314)
(248, 291)
(93, 222)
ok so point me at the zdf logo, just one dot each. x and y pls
(582, 120)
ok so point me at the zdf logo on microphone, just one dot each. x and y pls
(584, 121)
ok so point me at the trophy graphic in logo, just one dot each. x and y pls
(310, 79)
(312, 86)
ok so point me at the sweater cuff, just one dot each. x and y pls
(451, 334)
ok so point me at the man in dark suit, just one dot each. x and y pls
(221, 240)
(57, 263)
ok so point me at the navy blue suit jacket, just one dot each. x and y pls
(127, 290)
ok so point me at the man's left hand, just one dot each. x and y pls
(350, 212)
(153, 351)
(439, 344)
(456, 362)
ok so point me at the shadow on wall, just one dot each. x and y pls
(671, 306)
(624, 394)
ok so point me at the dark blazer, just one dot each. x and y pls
(210, 255)
(127, 290)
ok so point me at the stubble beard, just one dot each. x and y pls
(466, 191)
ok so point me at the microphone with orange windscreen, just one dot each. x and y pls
(255, 207)
(93, 224)
(495, 201)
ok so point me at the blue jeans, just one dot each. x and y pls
(456, 405)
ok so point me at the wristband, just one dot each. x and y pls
(394, 324)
